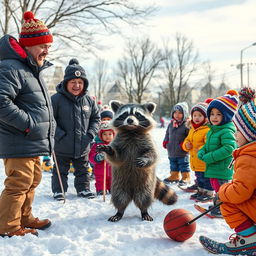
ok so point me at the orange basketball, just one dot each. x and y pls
(175, 225)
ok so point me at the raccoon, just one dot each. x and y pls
(133, 158)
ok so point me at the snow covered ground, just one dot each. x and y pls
(80, 226)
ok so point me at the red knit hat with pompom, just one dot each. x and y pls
(34, 31)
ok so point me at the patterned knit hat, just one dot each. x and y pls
(34, 31)
(106, 113)
(226, 104)
(245, 120)
(105, 126)
(182, 107)
(74, 70)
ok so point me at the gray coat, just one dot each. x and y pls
(24, 105)
(77, 119)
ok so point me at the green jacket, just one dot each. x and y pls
(217, 151)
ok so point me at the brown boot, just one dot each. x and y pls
(185, 178)
(39, 224)
(174, 178)
(21, 232)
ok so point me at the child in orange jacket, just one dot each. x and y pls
(239, 196)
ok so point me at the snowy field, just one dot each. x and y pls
(80, 226)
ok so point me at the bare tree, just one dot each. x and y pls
(179, 64)
(100, 78)
(138, 68)
(74, 23)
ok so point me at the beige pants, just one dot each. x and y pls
(23, 176)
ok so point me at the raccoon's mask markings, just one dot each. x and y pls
(131, 116)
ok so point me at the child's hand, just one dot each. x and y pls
(188, 145)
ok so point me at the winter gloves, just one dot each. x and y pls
(165, 143)
(99, 157)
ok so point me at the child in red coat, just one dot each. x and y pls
(106, 135)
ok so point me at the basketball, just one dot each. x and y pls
(175, 225)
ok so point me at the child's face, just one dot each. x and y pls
(106, 118)
(215, 116)
(197, 117)
(178, 115)
(240, 139)
(107, 136)
(75, 86)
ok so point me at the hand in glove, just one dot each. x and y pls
(165, 143)
(99, 157)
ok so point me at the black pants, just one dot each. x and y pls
(82, 177)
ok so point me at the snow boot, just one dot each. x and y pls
(173, 178)
(185, 179)
(207, 196)
(86, 194)
(197, 194)
(192, 189)
(20, 232)
(58, 196)
(238, 245)
(39, 224)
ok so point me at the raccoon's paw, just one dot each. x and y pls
(146, 216)
(104, 148)
(116, 217)
(141, 161)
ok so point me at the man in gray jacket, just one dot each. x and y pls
(26, 124)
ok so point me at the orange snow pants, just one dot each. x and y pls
(23, 176)
(236, 214)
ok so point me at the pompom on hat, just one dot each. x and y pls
(73, 71)
(106, 112)
(246, 94)
(226, 104)
(245, 118)
(34, 31)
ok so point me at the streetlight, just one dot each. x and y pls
(241, 61)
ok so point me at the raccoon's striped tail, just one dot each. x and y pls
(164, 193)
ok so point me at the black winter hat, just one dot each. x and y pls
(74, 70)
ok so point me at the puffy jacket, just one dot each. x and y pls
(217, 151)
(77, 119)
(24, 104)
(242, 190)
(197, 137)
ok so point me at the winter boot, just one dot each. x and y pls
(86, 194)
(185, 179)
(58, 196)
(238, 245)
(207, 196)
(197, 194)
(192, 189)
(173, 178)
(39, 224)
(20, 232)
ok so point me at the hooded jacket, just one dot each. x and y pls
(26, 117)
(77, 119)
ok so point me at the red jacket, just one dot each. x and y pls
(99, 169)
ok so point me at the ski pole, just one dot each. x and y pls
(58, 172)
(201, 215)
(104, 180)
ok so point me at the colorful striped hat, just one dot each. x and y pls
(34, 31)
(226, 104)
(245, 120)
(201, 107)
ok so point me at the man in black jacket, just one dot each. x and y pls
(26, 124)
(77, 118)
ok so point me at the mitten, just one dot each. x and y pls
(99, 157)
(165, 143)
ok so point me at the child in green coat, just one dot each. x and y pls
(220, 141)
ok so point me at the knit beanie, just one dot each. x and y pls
(226, 104)
(106, 113)
(182, 107)
(105, 126)
(34, 31)
(74, 70)
(245, 119)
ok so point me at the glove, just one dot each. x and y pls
(165, 143)
(99, 157)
